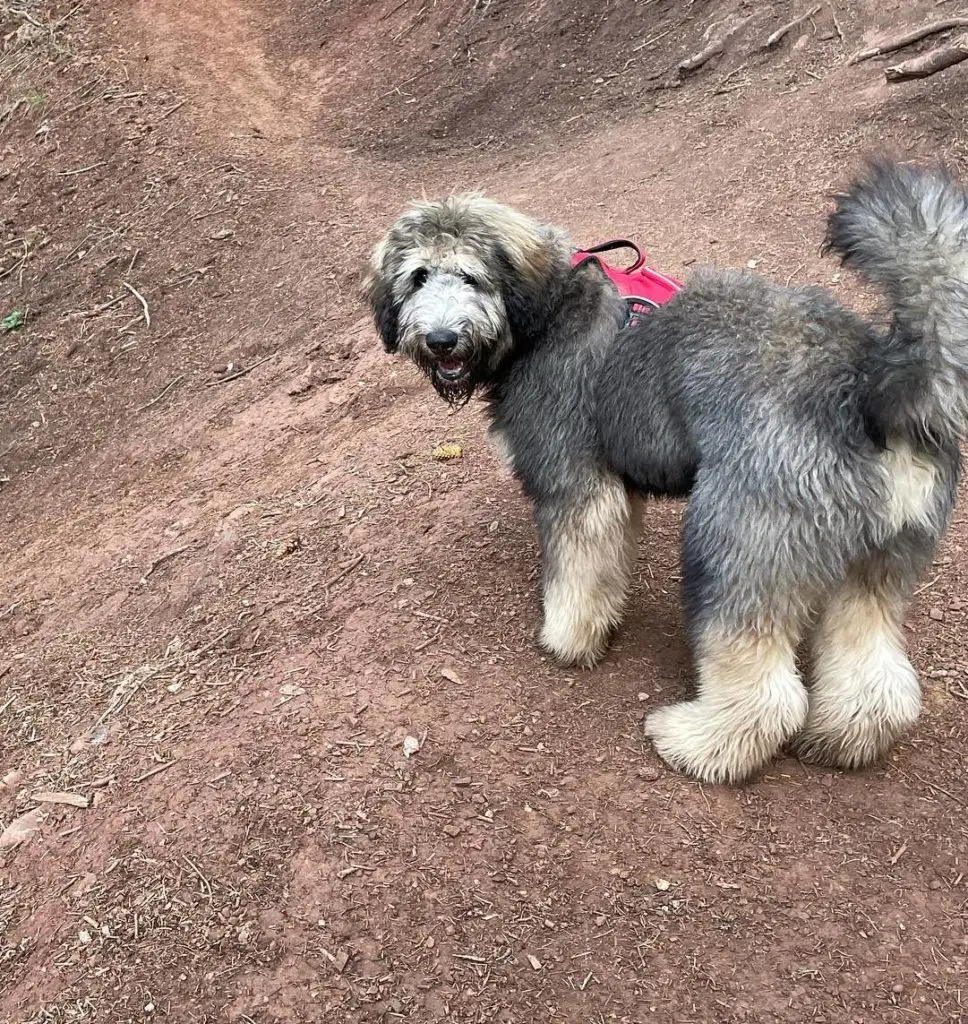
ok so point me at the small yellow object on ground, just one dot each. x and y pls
(448, 451)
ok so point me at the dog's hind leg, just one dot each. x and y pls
(745, 606)
(865, 693)
(751, 702)
(588, 546)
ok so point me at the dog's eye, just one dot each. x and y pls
(469, 279)
(419, 278)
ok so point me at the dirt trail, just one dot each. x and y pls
(235, 580)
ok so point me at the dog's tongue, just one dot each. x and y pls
(450, 365)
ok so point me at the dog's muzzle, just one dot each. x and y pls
(447, 367)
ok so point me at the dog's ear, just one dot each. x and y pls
(528, 296)
(384, 308)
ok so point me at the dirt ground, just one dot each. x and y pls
(236, 589)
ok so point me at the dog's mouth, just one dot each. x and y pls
(451, 371)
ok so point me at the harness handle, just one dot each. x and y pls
(620, 243)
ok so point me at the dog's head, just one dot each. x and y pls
(459, 285)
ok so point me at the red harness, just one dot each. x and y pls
(642, 288)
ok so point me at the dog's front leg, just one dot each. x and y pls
(588, 544)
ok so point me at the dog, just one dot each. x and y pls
(819, 453)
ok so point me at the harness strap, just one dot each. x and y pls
(642, 288)
(620, 243)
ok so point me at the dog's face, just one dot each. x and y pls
(454, 285)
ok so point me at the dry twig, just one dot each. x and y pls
(68, 799)
(345, 571)
(158, 768)
(144, 305)
(161, 559)
(83, 170)
(160, 396)
(938, 789)
(833, 18)
(238, 373)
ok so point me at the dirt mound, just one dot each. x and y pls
(408, 80)
(270, 704)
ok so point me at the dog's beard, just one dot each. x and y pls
(455, 390)
(455, 377)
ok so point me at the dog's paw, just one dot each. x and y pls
(568, 653)
(709, 745)
(854, 721)
(860, 742)
(683, 739)
(583, 646)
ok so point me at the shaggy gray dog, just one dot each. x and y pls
(819, 453)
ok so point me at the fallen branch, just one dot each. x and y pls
(931, 62)
(713, 49)
(912, 36)
(722, 87)
(783, 30)
(171, 110)
(706, 54)
(649, 42)
(68, 799)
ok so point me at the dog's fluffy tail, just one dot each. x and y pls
(906, 231)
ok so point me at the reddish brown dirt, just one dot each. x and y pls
(227, 599)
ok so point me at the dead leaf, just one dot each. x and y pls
(534, 961)
(450, 675)
(662, 884)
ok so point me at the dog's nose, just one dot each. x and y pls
(441, 341)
